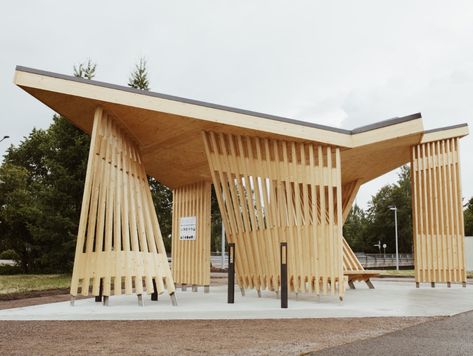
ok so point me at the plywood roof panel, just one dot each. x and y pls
(168, 128)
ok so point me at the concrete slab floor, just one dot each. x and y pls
(390, 298)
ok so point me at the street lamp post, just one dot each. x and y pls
(4, 137)
(394, 208)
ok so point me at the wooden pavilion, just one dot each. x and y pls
(276, 180)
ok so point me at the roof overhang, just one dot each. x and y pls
(168, 128)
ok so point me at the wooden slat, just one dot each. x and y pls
(119, 237)
(271, 191)
(191, 258)
(437, 212)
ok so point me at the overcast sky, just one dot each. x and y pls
(339, 63)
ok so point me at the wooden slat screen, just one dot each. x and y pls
(191, 259)
(438, 212)
(119, 239)
(271, 191)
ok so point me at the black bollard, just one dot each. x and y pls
(154, 295)
(98, 298)
(283, 274)
(231, 273)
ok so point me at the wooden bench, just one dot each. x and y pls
(353, 269)
(360, 276)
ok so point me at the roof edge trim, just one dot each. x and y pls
(362, 129)
(445, 128)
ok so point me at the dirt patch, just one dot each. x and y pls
(185, 337)
(33, 294)
(36, 298)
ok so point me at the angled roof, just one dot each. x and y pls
(168, 128)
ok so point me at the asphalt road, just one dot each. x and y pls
(449, 336)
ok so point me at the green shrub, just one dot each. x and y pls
(7, 270)
(9, 255)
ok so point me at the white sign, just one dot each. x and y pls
(187, 228)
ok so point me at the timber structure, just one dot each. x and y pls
(277, 180)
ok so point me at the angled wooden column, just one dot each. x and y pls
(349, 192)
(350, 261)
(119, 240)
(437, 212)
(352, 267)
(191, 252)
(272, 191)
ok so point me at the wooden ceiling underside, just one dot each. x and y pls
(168, 131)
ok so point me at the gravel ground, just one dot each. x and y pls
(235, 337)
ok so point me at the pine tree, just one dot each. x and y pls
(85, 70)
(139, 77)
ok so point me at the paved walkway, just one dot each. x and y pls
(449, 336)
(388, 299)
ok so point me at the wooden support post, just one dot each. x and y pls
(370, 285)
(242, 291)
(194, 288)
(206, 289)
(191, 252)
(140, 300)
(437, 212)
(73, 300)
(284, 292)
(351, 284)
(184, 287)
(105, 300)
(231, 274)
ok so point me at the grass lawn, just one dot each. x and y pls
(21, 283)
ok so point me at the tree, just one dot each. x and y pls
(364, 229)
(162, 200)
(139, 77)
(18, 212)
(85, 70)
(52, 164)
(468, 215)
(354, 229)
(380, 219)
